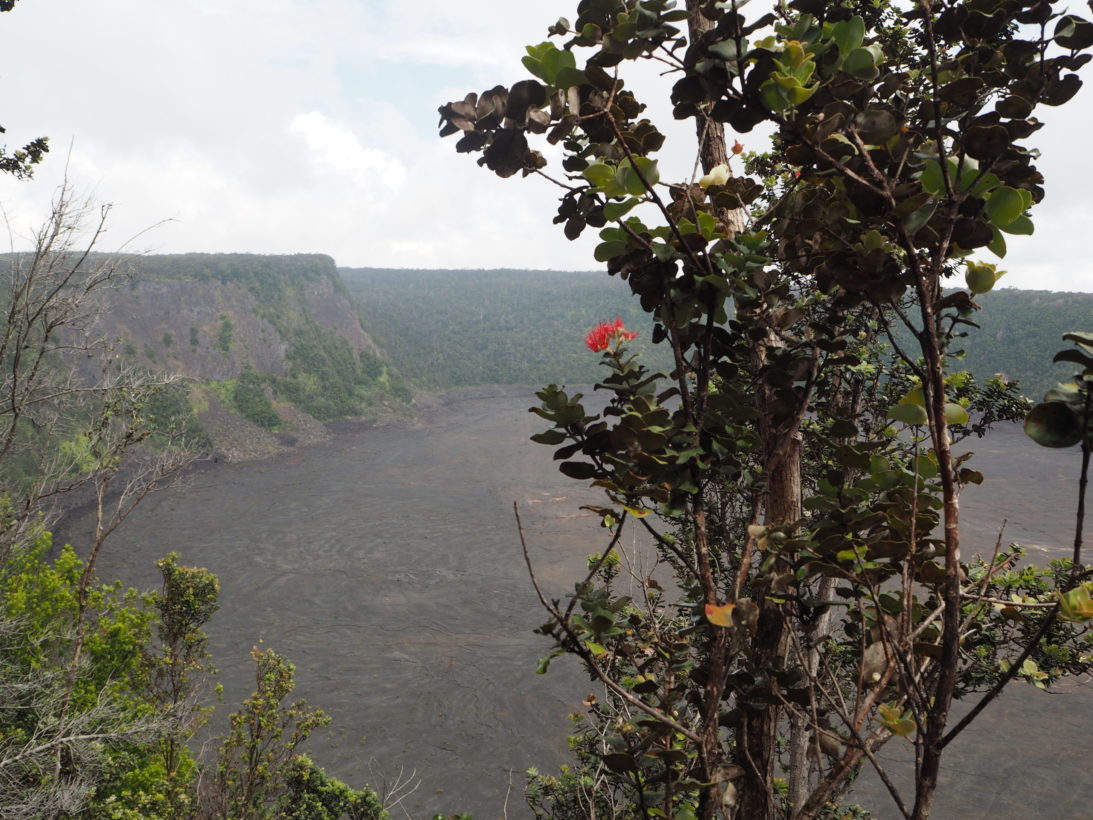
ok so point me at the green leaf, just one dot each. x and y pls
(980, 277)
(1022, 225)
(860, 63)
(997, 246)
(914, 396)
(599, 174)
(595, 648)
(849, 34)
(707, 224)
(926, 466)
(554, 61)
(1053, 424)
(534, 66)
(550, 437)
(919, 218)
(607, 251)
(933, 182)
(649, 169)
(773, 97)
(1075, 605)
(800, 94)
(955, 414)
(1004, 205)
(617, 210)
(986, 183)
(969, 172)
(896, 721)
(726, 50)
(969, 476)
(568, 77)
(908, 413)
(629, 181)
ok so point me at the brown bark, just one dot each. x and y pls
(938, 714)
(782, 463)
(713, 151)
(782, 466)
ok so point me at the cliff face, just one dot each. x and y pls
(210, 316)
(272, 345)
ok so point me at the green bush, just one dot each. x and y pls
(224, 336)
(313, 795)
(171, 417)
(328, 380)
(249, 397)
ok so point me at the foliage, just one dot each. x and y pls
(188, 599)
(105, 704)
(584, 790)
(1063, 418)
(268, 278)
(224, 335)
(461, 328)
(313, 795)
(435, 329)
(171, 418)
(797, 481)
(135, 702)
(328, 380)
(256, 757)
(249, 397)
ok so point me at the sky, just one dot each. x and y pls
(310, 126)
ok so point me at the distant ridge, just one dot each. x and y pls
(453, 328)
(459, 328)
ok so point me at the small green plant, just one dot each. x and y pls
(224, 336)
(255, 757)
(249, 397)
(312, 794)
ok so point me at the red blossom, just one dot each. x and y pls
(604, 334)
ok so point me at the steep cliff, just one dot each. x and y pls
(272, 345)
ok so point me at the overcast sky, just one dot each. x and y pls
(287, 126)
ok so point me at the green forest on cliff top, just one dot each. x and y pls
(457, 328)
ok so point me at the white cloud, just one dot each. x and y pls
(338, 149)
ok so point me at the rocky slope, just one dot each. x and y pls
(271, 346)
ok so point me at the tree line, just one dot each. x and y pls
(459, 328)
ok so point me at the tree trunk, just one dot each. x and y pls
(782, 466)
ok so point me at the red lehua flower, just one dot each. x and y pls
(602, 335)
